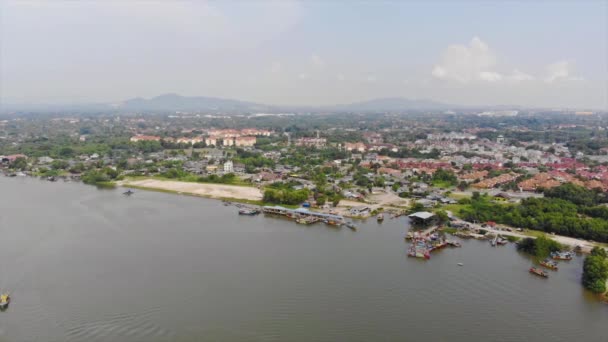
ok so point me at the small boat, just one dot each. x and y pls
(562, 255)
(248, 211)
(538, 272)
(128, 192)
(380, 217)
(333, 222)
(549, 264)
(493, 242)
(453, 243)
(351, 225)
(460, 264)
(5, 299)
(501, 241)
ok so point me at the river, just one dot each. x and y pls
(93, 265)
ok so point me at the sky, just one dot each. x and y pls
(542, 54)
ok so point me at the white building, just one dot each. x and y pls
(228, 167)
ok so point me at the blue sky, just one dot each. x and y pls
(551, 54)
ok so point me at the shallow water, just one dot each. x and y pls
(94, 265)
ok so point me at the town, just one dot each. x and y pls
(356, 165)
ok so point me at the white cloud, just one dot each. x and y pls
(466, 63)
(371, 79)
(340, 77)
(560, 71)
(490, 76)
(276, 68)
(303, 76)
(520, 76)
(317, 61)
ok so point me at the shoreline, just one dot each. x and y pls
(207, 190)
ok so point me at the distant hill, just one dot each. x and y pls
(171, 103)
(174, 102)
(394, 104)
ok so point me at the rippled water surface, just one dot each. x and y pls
(94, 265)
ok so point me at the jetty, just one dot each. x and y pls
(304, 216)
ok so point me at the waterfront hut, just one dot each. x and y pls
(422, 218)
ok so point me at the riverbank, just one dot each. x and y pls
(216, 191)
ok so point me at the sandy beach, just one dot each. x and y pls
(199, 189)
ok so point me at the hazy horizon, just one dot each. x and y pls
(312, 54)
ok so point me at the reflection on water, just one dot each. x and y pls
(89, 265)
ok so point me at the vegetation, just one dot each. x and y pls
(283, 193)
(445, 178)
(595, 270)
(101, 177)
(540, 247)
(548, 214)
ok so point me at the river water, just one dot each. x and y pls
(93, 265)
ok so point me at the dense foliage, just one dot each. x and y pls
(284, 193)
(100, 177)
(540, 247)
(547, 214)
(443, 176)
(595, 270)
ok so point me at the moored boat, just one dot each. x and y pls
(549, 264)
(351, 225)
(538, 272)
(562, 255)
(380, 217)
(5, 299)
(248, 211)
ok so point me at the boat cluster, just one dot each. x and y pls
(550, 263)
(300, 216)
(422, 246)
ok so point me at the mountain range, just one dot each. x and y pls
(176, 103)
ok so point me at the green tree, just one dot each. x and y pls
(595, 272)
(19, 164)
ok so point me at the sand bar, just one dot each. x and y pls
(199, 189)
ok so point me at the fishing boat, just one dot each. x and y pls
(5, 299)
(501, 241)
(494, 241)
(248, 211)
(128, 192)
(549, 264)
(460, 264)
(306, 220)
(538, 272)
(562, 255)
(351, 225)
(380, 217)
(453, 243)
(419, 249)
(333, 222)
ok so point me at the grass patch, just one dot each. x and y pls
(442, 184)
(449, 230)
(512, 238)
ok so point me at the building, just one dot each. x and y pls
(190, 141)
(138, 137)
(311, 142)
(228, 141)
(211, 141)
(228, 167)
(422, 218)
(245, 141)
(358, 147)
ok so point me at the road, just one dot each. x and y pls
(586, 246)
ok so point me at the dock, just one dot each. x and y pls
(304, 216)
